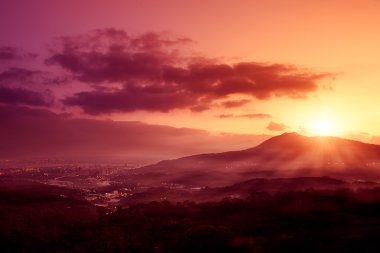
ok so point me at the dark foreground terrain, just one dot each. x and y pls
(291, 193)
(43, 219)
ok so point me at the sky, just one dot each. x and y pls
(236, 68)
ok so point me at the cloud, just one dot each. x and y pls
(256, 115)
(17, 75)
(272, 126)
(14, 80)
(19, 96)
(8, 53)
(111, 55)
(235, 103)
(12, 53)
(132, 98)
(22, 76)
(249, 116)
(156, 76)
(27, 132)
(225, 116)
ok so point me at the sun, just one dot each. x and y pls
(323, 126)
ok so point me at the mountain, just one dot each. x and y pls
(286, 155)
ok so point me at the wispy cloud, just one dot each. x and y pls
(273, 126)
(249, 116)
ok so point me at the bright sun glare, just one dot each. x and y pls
(323, 126)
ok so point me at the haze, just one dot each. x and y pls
(251, 68)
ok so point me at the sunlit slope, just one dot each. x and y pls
(287, 155)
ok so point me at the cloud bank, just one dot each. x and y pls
(30, 132)
(153, 74)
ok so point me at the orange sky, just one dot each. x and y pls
(338, 37)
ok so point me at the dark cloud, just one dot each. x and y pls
(16, 96)
(249, 116)
(21, 76)
(8, 53)
(272, 126)
(13, 83)
(111, 55)
(17, 75)
(235, 103)
(152, 71)
(27, 132)
(132, 98)
(12, 53)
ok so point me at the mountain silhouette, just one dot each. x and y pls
(285, 156)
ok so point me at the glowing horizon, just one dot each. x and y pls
(240, 68)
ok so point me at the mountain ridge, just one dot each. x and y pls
(285, 155)
(290, 137)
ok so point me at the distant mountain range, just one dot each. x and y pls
(289, 155)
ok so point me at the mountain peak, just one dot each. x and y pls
(288, 138)
(285, 155)
(290, 134)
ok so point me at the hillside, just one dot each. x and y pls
(286, 155)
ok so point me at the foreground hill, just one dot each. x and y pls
(338, 221)
(245, 189)
(286, 155)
